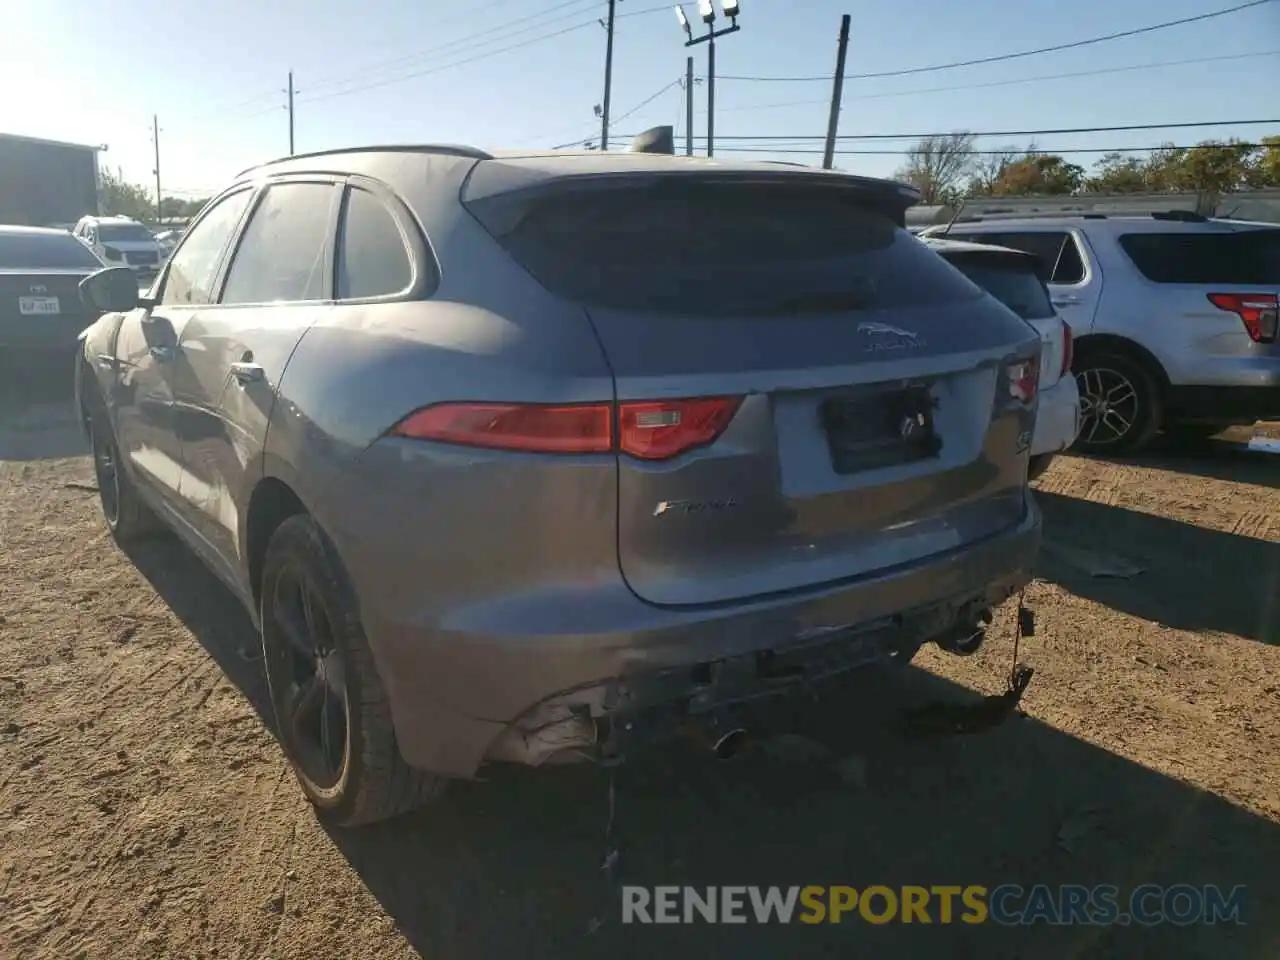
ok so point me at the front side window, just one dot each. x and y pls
(285, 247)
(193, 268)
(1057, 250)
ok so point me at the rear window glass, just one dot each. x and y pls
(721, 248)
(1017, 286)
(33, 251)
(1245, 257)
(124, 233)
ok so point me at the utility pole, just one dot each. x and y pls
(608, 78)
(711, 91)
(707, 14)
(688, 106)
(155, 136)
(837, 91)
(290, 91)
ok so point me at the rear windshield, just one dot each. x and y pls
(124, 233)
(1245, 257)
(35, 251)
(1015, 283)
(721, 248)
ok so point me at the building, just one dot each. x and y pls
(47, 182)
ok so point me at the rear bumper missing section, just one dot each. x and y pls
(461, 698)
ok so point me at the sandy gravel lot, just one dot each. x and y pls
(145, 810)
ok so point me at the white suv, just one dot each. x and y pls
(122, 242)
(1175, 317)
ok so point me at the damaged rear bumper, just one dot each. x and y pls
(563, 676)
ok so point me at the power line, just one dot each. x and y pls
(503, 29)
(1074, 44)
(1010, 83)
(817, 151)
(481, 56)
(1007, 133)
(634, 110)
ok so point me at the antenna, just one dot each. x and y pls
(954, 217)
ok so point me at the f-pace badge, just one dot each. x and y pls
(687, 507)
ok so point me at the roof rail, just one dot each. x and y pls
(1186, 216)
(447, 149)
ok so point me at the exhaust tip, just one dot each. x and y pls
(729, 745)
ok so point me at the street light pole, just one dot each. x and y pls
(608, 79)
(707, 13)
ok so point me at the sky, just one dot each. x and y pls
(491, 74)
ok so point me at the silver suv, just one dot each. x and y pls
(529, 456)
(1174, 315)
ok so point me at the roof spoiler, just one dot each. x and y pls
(655, 140)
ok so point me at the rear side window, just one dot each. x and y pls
(1056, 249)
(35, 251)
(1016, 285)
(1245, 257)
(720, 247)
(285, 246)
(372, 258)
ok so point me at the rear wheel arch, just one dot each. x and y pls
(272, 503)
(1100, 343)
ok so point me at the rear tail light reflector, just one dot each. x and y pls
(1068, 347)
(645, 429)
(1258, 312)
(1023, 377)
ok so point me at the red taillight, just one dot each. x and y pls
(647, 429)
(658, 429)
(537, 428)
(1023, 377)
(1068, 347)
(1258, 311)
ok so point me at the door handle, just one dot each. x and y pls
(248, 372)
(1065, 301)
(107, 362)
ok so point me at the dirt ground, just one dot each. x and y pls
(145, 810)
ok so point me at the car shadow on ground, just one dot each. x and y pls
(512, 866)
(38, 419)
(1192, 577)
(1227, 457)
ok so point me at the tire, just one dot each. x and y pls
(333, 717)
(127, 515)
(1037, 465)
(1128, 424)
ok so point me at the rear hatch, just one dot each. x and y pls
(804, 392)
(1012, 277)
(1224, 276)
(41, 308)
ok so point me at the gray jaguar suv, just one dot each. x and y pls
(530, 457)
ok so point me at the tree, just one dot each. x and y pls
(1215, 167)
(988, 168)
(118, 197)
(1042, 174)
(1116, 173)
(1266, 168)
(937, 166)
(177, 208)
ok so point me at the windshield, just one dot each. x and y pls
(1014, 284)
(36, 251)
(124, 232)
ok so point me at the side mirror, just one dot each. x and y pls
(110, 290)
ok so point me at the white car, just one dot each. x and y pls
(1175, 316)
(1013, 278)
(122, 242)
